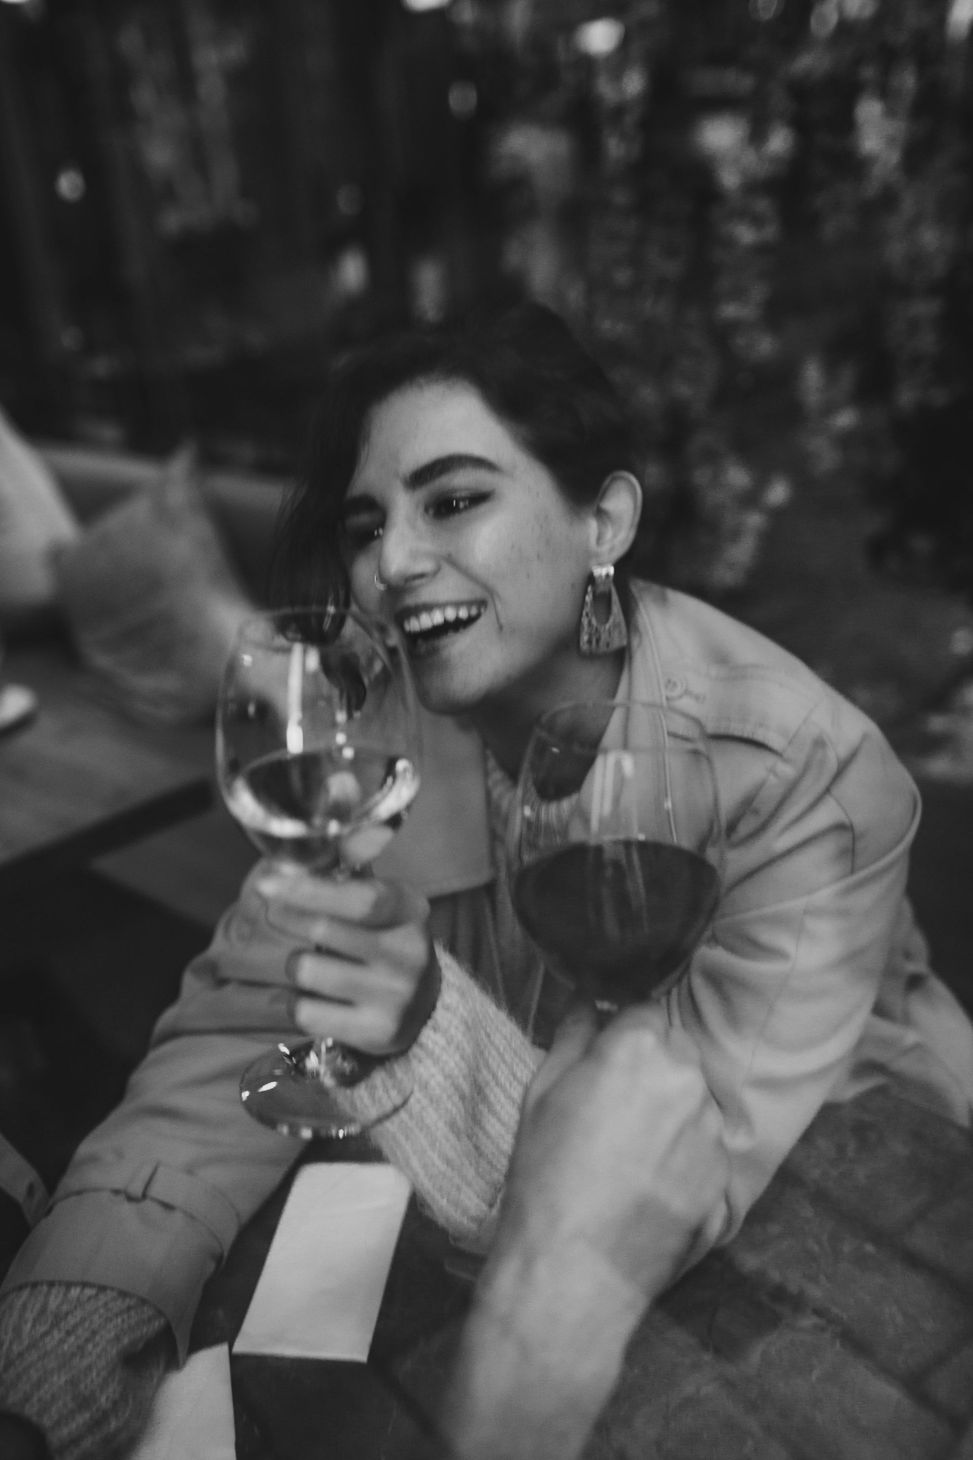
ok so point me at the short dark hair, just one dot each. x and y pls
(529, 369)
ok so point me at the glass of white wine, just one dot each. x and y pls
(317, 752)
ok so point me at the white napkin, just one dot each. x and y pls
(321, 1286)
(192, 1416)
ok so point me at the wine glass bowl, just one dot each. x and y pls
(617, 846)
(317, 753)
(305, 760)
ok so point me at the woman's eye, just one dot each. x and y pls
(454, 503)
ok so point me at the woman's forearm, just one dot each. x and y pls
(539, 1355)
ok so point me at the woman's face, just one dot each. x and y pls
(485, 560)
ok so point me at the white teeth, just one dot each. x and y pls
(434, 618)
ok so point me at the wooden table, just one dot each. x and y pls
(838, 1325)
(80, 779)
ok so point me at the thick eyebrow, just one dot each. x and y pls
(444, 466)
(421, 476)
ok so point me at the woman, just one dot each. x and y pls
(483, 492)
(482, 488)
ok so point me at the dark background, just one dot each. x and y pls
(757, 213)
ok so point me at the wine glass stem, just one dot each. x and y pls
(331, 1063)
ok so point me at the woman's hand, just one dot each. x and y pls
(364, 965)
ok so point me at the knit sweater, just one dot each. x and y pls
(83, 1363)
(470, 1068)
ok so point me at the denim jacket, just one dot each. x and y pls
(812, 983)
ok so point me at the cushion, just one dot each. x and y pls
(35, 521)
(152, 601)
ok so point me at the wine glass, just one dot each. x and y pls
(317, 750)
(617, 844)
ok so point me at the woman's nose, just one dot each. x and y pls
(406, 555)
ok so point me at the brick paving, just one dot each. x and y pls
(839, 1323)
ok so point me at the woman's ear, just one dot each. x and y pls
(616, 517)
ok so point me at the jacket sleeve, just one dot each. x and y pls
(156, 1194)
(777, 998)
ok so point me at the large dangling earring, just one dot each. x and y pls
(603, 628)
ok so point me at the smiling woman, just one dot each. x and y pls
(481, 487)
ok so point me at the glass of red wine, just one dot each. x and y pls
(317, 751)
(617, 846)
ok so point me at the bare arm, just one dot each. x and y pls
(617, 1164)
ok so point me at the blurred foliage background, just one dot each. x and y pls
(758, 213)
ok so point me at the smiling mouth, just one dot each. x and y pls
(425, 627)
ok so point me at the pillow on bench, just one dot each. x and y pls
(151, 599)
(35, 522)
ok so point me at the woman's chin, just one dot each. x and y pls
(443, 692)
(441, 699)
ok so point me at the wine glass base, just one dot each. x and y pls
(283, 1089)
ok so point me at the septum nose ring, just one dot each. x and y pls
(379, 584)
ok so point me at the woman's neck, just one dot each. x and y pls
(505, 726)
